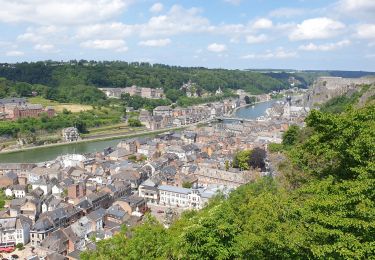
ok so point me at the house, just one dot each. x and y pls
(132, 204)
(78, 174)
(52, 203)
(76, 190)
(99, 200)
(43, 184)
(15, 230)
(17, 191)
(62, 241)
(57, 189)
(129, 145)
(96, 219)
(132, 176)
(51, 221)
(8, 179)
(31, 209)
(149, 190)
(116, 214)
(162, 111)
(119, 154)
(118, 189)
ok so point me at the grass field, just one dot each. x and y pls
(59, 106)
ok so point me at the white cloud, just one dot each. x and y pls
(45, 48)
(60, 11)
(156, 8)
(252, 39)
(286, 12)
(325, 47)
(177, 20)
(155, 43)
(113, 30)
(357, 8)
(216, 47)
(14, 53)
(366, 31)
(117, 45)
(262, 23)
(279, 53)
(42, 34)
(316, 28)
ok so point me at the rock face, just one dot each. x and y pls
(326, 88)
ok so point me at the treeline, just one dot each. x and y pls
(320, 205)
(81, 120)
(64, 94)
(138, 102)
(123, 74)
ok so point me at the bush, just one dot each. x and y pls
(133, 122)
(20, 246)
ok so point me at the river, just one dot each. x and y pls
(50, 153)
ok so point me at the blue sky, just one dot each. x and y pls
(238, 34)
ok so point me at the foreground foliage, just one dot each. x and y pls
(329, 216)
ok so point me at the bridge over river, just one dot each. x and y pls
(222, 118)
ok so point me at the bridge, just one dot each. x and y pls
(222, 118)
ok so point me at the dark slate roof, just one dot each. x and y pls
(169, 170)
(96, 214)
(43, 223)
(116, 211)
(84, 204)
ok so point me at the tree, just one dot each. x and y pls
(257, 157)
(249, 100)
(134, 122)
(20, 246)
(227, 165)
(187, 185)
(290, 136)
(241, 160)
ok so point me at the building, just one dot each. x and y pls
(151, 93)
(18, 191)
(15, 230)
(183, 197)
(162, 111)
(70, 134)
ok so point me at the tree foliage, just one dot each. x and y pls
(330, 215)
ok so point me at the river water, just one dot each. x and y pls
(50, 153)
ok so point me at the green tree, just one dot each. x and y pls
(291, 135)
(134, 122)
(241, 160)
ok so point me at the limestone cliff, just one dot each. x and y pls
(326, 88)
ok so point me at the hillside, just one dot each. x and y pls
(123, 74)
(320, 205)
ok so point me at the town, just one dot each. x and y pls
(61, 207)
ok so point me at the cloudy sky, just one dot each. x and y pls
(298, 34)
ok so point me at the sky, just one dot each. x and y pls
(235, 34)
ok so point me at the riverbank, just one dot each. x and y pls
(104, 138)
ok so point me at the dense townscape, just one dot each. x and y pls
(62, 206)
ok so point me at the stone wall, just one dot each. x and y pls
(326, 88)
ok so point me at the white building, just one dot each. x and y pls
(183, 197)
(44, 185)
(18, 191)
(15, 230)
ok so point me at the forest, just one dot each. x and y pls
(77, 81)
(319, 205)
